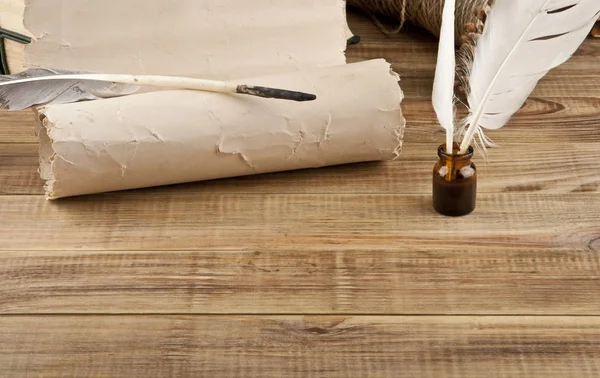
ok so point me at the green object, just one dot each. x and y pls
(355, 40)
(4, 70)
(13, 36)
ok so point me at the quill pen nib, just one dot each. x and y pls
(275, 93)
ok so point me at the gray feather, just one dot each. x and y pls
(16, 95)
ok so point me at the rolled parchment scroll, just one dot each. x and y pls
(173, 137)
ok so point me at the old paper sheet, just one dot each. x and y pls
(213, 39)
(348, 32)
(183, 136)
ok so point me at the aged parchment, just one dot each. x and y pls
(183, 136)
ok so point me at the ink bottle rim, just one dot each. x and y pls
(444, 155)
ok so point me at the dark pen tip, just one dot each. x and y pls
(281, 94)
(308, 97)
(354, 40)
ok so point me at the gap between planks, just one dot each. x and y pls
(299, 314)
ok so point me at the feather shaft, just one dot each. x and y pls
(445, 75)
(144, 80)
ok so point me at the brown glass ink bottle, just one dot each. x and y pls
(454, 183)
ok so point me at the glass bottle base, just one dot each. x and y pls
(454, 199)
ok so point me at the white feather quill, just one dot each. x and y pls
(445, 74)
(42, 86)
(521, 42)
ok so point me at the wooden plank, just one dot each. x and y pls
(541, 121)
(415, 64)
(416, 60)
(175, 220)
(300, 346)
(549, 120)
(17, 127)
(535, 168)
(19, 169)
(432, 279)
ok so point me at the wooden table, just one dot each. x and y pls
(338, 272)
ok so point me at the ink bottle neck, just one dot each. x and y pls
(456, 162)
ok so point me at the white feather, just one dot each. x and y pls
(43, 86)
(521, 42)
(40, 86)
(445, 74)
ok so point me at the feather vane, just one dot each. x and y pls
(33, 87)
(521, 42)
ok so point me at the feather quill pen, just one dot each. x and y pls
(445, 74)
(521, 42)
(42, 86)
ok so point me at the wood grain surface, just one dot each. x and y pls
(508, 280)
(300, 346)
(337, 272)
